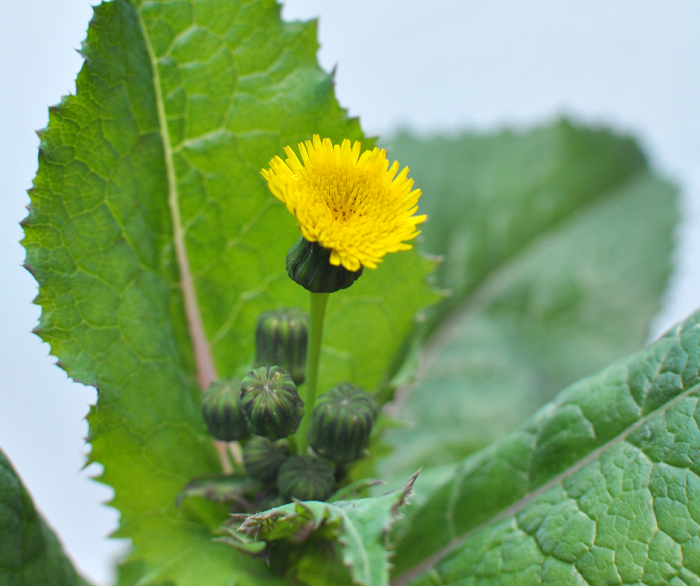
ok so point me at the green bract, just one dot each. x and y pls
(271, 402)
(341, 423)
(306, 478)
(308, 265)
(281, 338)
(223, 410)
(263, 458)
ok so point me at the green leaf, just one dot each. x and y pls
(359, 526)
(353, 490)
(30, 554)
(557, 245)
(601, 486)
(156, 244)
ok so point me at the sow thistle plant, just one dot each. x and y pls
(164, 259)
(352, 210)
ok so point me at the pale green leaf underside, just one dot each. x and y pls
(30, 554)
(115, 193)
(557, 244)
(601, 486)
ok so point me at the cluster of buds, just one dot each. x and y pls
(265, 408)
(266, 402)
(330, 255)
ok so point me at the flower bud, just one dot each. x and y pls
(271, 402)
(263, 458)
(223, 411)
(308, 264)
(306, 478)
(341, 423)
(281, 338)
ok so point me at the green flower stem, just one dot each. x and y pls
(293, 447)
(313, 356)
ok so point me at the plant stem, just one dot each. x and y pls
(223, 457)
(234, 448)
(313, 357)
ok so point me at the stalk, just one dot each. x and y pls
(313, 357)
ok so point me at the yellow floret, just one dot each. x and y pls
(350, 202)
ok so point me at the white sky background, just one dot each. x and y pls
(438, 65)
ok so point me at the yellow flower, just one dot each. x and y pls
(353, 204)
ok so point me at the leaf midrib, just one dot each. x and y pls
(204, 361)
(352, 530)
(521, 503)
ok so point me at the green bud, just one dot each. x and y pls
(306, 478)
(341, 423)
(281, 338)
(308, 264)
(223, 411)
(271, 402)
(263, 458)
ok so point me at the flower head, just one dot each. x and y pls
(352, 203)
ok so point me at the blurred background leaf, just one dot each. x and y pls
(556, 246)
(30, 553)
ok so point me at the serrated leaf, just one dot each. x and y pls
(359, 526)
(30, 554)
(352, 490)
(599, 487)
(557, 244)
(156, 244)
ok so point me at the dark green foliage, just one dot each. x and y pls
(263, 458)
(306, 478)
(30, 554)
(281, 338)
(341, 423)
(223, 411)
(599, 487)
(271, 402)
(308, 264)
